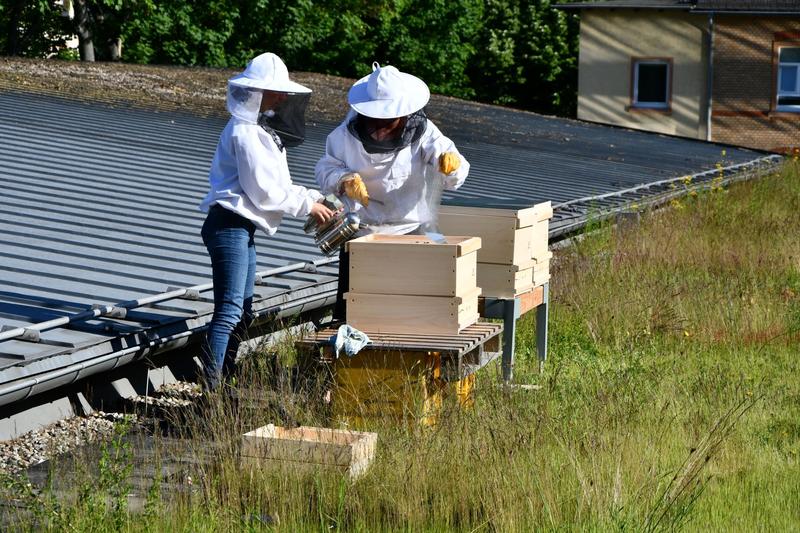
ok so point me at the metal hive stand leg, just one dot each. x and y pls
(542, 317)
(511, 308)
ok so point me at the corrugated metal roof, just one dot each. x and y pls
(629, 4)
(99, 207)
(776, 7)
(751, 6)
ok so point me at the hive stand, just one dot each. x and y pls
(510, 309)
(462, 353)
(397, 374)
(513, 233)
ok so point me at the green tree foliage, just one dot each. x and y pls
(178, 32)
(32, 27)
(528, 56)
(433, 39)
(512, 52)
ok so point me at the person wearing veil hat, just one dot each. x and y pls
(249, 188)
(384, 156)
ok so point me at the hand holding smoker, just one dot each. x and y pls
(331, 235)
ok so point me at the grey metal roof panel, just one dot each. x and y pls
(100, 207)
(628, 4)
(750, 6)
(782, 7)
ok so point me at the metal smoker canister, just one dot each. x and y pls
(334, 233)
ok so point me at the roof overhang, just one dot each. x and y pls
(677, 5)
(636, 5)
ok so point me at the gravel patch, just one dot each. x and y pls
(201, 91)
(62, 437)
(172, 395)
(72, 433)
(196, 90)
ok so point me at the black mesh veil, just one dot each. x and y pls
(414, 128)
(288, 119)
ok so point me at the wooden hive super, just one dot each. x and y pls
(514, 256)
(410, 284)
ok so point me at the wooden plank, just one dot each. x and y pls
(411, 314)
(542, 258)
(528, 300)
(540, 235)
(476, 328)
(472, 336)
(531, 300)
(540, 278)
(379, 339)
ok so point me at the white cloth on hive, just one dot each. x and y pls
(350, 339)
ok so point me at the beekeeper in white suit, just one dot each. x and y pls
(384, 156)
(249, 188)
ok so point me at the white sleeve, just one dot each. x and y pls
(261, 179)
(433, 144)
(331, 167)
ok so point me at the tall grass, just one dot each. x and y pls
(671, 400)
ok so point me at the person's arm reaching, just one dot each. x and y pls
(259, 176)
(442, 153)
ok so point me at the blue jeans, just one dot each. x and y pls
(229, 239)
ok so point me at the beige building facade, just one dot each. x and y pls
(720, 70)
(625, 52)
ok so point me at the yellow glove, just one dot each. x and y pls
(449, 162)
(353, 186)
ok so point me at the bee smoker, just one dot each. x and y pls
(330, 235)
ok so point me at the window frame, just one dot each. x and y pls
(635, 104)
(777, 93)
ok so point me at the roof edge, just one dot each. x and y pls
(690, 7)
(605, 5)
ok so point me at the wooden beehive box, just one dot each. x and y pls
(541, 270)
(410, 284)
(514, 256)
(502, 241)
(352, 451)
(413, 265)
(401, 313)
(505, 281)
(508, 236)
(376, 384)
(387, 385)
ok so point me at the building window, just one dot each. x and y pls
(789, 78)
(651, 83)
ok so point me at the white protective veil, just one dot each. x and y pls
(245, 91)
(244, 102)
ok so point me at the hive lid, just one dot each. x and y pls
(526, 214)
(461, 245)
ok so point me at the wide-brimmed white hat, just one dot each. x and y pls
(268, 71)
(388, 93)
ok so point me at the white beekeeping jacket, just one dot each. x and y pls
(250, 176)
(397, 179)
